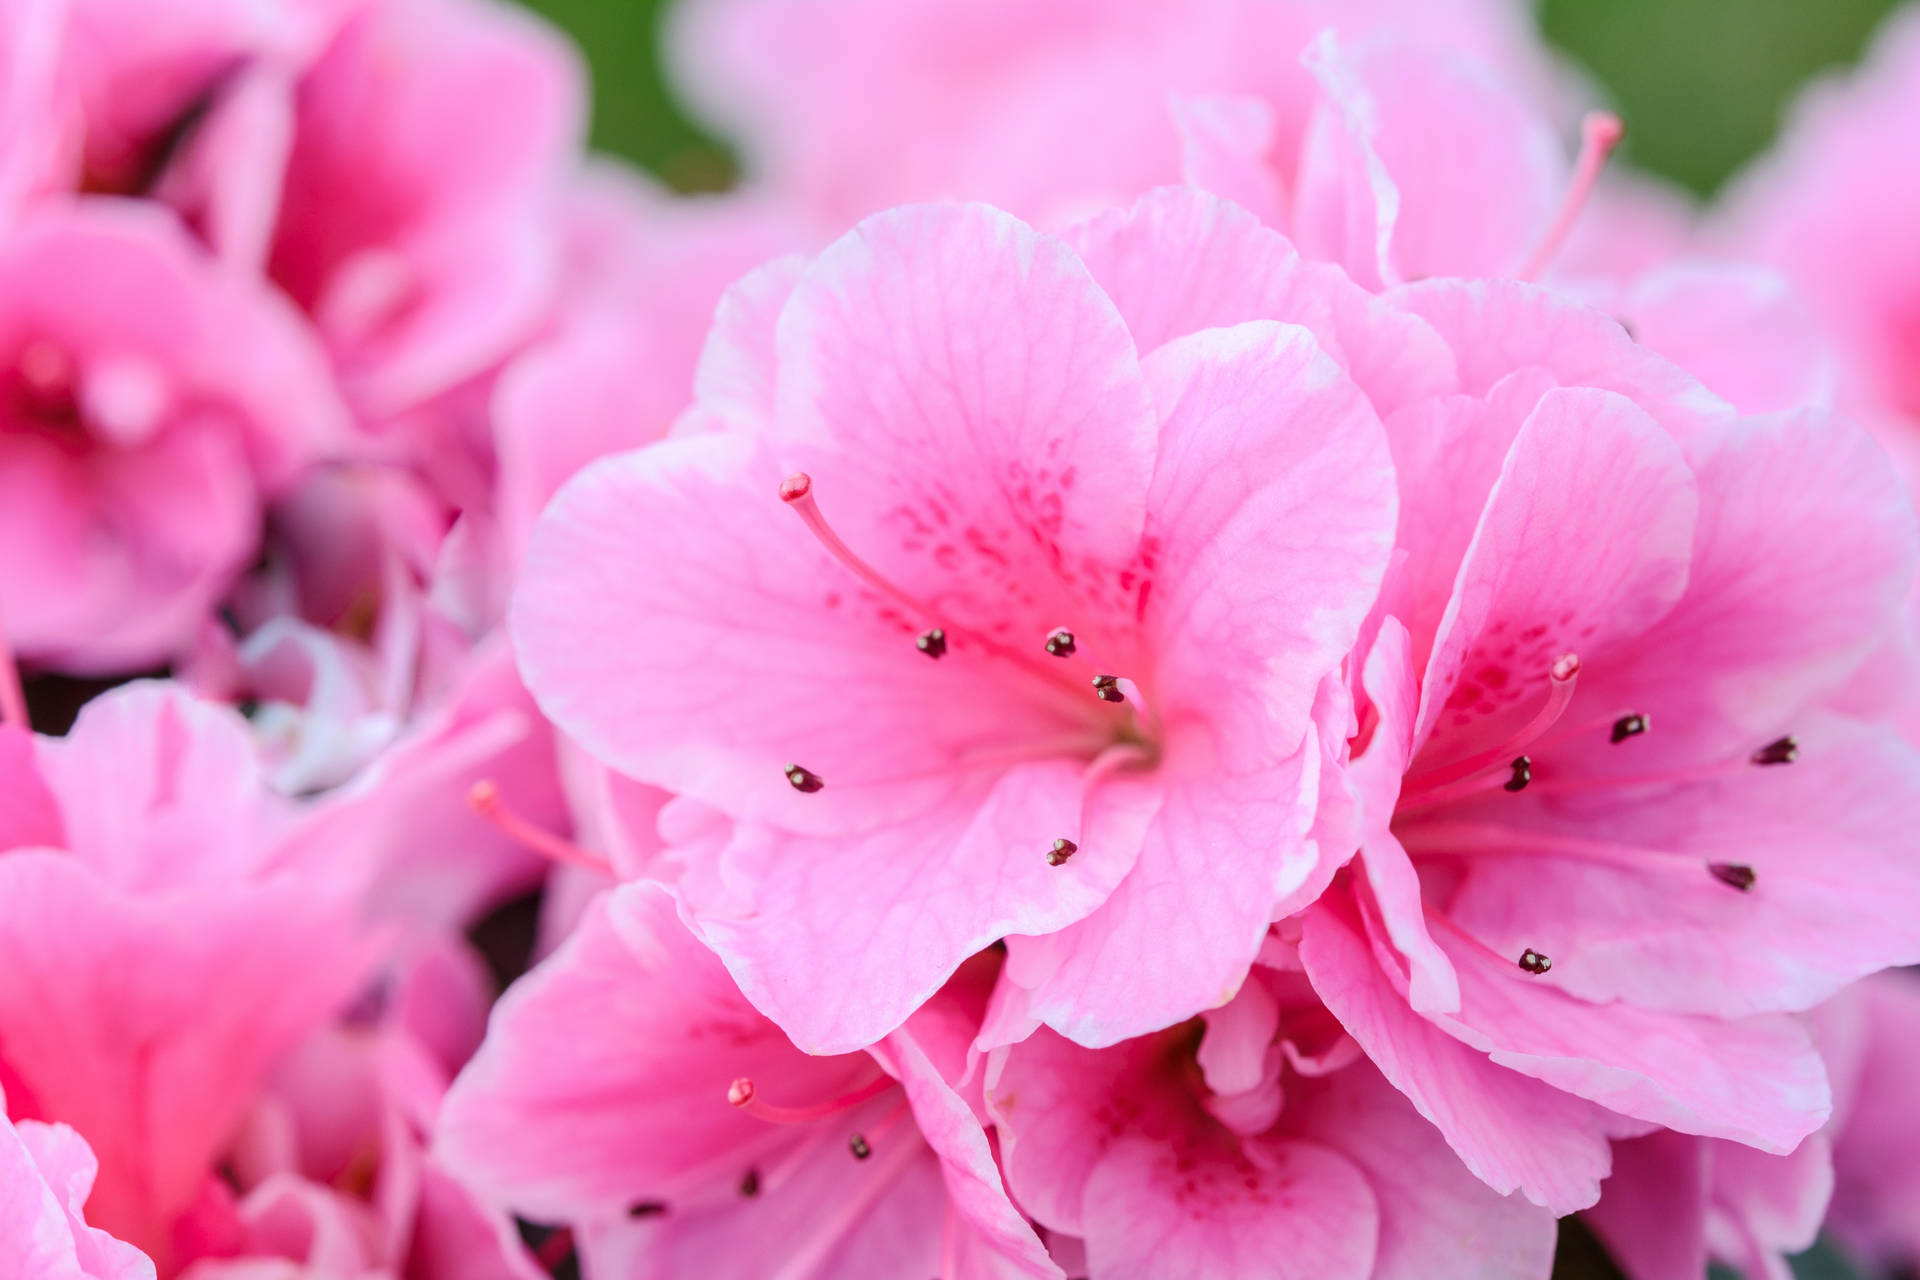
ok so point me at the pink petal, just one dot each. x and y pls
(1582, 546)
(1514, 1133)
(1292, 1210)
(1178, 260)
(636, 1108)
(1437, 1221)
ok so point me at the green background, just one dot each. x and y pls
(1700, 83)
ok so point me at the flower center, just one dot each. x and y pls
(1424, 829)
(1059, 668)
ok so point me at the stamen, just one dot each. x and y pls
(1780, 751)
(1736, 874)
(1061, 851)
(742, 1094)
(1628, 727)
(858, 1145)
(647, 1209)
(1600, 133)
(797, 492)
(1107, 689)
(750, 1183)
(1535, 962)
(1562, 677)
(1492, 840)
(1522, 774)
(1060, 643)
(804, 780)
(485, 799)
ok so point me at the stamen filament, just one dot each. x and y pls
(485, 800)
(1488, 780)
(1561, 679)
(797, 492)
(1480, 839)
(1600, 133)
(742, 1094)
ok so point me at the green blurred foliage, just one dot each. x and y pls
(1700, 83)
(634, 112)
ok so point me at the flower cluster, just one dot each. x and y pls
(1186, 641)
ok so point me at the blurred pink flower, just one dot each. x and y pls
(422, 259)
(856, 1164)
(1067, 656)
(46, 1175)
(1876, 1124)
(167, 938)
(1609, 830)
(330, 1166)
(1834, 206)
(854, 105)
(148, 403)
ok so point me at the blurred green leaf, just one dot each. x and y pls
(1701, 83)
(634, 114)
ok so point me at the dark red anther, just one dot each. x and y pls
(1107, 689)
(1060, 643)
(1628, 727)
(804, 780)
(1738, 875)
(1063, 849)
(750, 1183)
(932, 643)
(1779, 751)
(859, 1147)
(1534, 962)
(1522, 774)
(647, 1209)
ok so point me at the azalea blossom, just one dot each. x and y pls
(162, 948)
(152, 403)
(1252, 1141)
(956, 618)
(1610, 832)
(683, 1132)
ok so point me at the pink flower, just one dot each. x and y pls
(148, 403)
(46, 1173)
(1376, 184)
(167, 937)
(424, 260)
(856, 105)
(1674, 1201)
(1253, 1142)
(1022, 651)
(1876, 1194)
(601, 1100)
(1834, 209)
(330, 1167)
(1608, 830)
